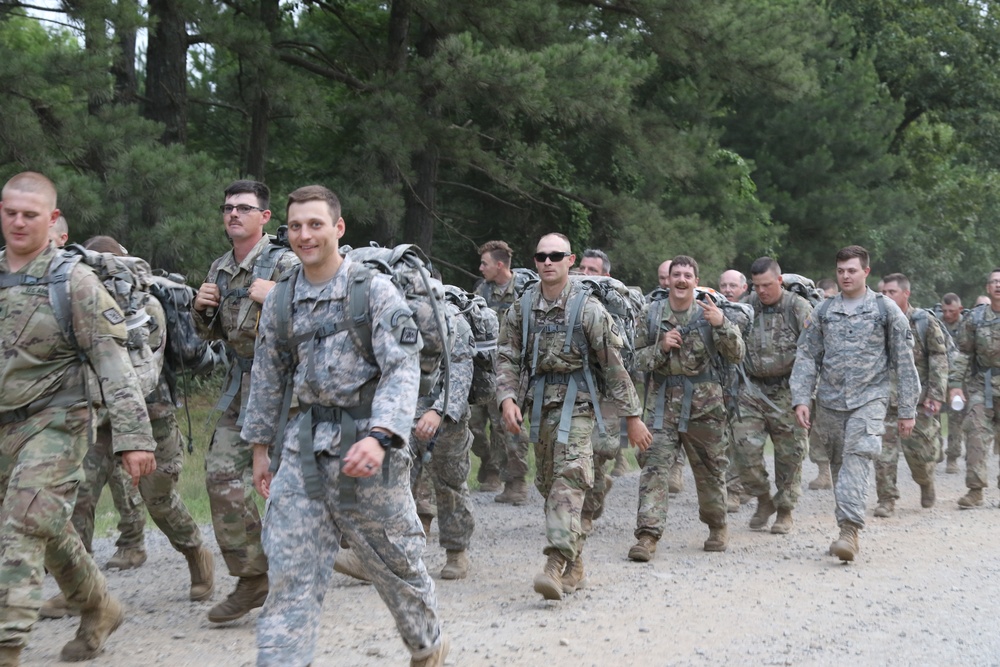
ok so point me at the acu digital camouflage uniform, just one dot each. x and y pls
(565, 468)
(302, 534)
(228, 462)
(44, 421)
(846, 358)
(930, 356)
(770, 354)
(956, 418)
(699, 424)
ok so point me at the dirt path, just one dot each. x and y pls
(922, 592)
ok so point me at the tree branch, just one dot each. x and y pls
(325, 72)
(482, 193)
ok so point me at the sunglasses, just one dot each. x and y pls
(540, 257)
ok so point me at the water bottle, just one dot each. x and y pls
(957, 404)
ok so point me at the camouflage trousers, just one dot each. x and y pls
(605, 449)
(501, 452)
(99, 471)
(920, 451)
(758, 420)
(856, 440)
(445, 491)
(40, 471)
(956, 432)
(564, 474)
(705, 444)
(158, 490)
(228, 479)
(820, 446)
(982, 428)
(302, 537)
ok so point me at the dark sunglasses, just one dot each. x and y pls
(540, 257)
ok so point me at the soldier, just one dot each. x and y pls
(675, 480)
(766, 403)
(60, 232)
(844, 355)
(829, 286)
(555, 334)
(688, 406)
(930, 354)
(951, 317)
(733, 285)
(355, 414)
(978, 370)
(45, 419)
(227, 308)
(503, 450)
(663, 275)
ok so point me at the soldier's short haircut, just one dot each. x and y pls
(256, 188)
(899, 279)
(684, 260)
(569, 244)
(826, 284)
(594, 253)
(951, 299)
(61, 226)
(34, 183)
(315, 193)
(762, 265)
(996, 270)
(852, 252)
(104, 244)
(499, 251)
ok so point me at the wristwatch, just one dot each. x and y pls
(387, 441)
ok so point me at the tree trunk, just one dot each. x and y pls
(261, 112)
(418, 223)
(166, 70)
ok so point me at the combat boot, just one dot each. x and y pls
(974, 498)
(250, 593)
(201, 565)
(127, 558)
(515, 492)
(847, 546)
(621, 465)
(718, 538)
(951, 467)
(783, 524)
(99, 617)
(10, 656)
(426, 520)
(824, 480)
(675, 482)
(586, 524)
(885, 509)
(347, 562)
(457, 565)
(765, 508)
(927, 494)
(642, 551)
(549, 582)
(490, 484)
(56, 607)
(435, 659)
(574, 579)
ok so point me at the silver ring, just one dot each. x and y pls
(369, 467)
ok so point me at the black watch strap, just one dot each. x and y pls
(387, 441)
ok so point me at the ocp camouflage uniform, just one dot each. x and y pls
(846, 359)
(228, 461)
(44, 420)
(449, 461)
(563, 450)
(956, 419)
(99, 469)
(605, 447)
(699, 423)
(302, 533)
(770, 355)
(920, 449)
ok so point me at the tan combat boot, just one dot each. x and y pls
(974, 498)
(490, 484)
(885, 508)
(573, 578)
(927, 494)
(99, 617)
(56, 607)
(643, 550)
(621, 464)
(250, 593)
(765, 508)
(549, 581)
(435, 659)
(127, 558)
(201, 565)
(847, 546)
(951, 467)
(347, 562)
(718, 538)
(515, 492)
(675, 482)
(824, 480)
(783, 524)
(457, 565)
(10, 656)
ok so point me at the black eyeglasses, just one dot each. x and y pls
(242, 209)
(540, 257)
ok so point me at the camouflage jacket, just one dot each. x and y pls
(235, 320)
(772, 337)
(603, 340)
(462, 346)
(333, 370)
(931, 360)
(500, 297)
(845, 358)
(979, 349)
(39, 363)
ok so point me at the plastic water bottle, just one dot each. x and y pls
(957, 403)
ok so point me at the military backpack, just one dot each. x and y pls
(485, 332)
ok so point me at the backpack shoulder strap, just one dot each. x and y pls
(527, 297)
(359, 306)
(265, 265)
(284, 292)
(60, 270)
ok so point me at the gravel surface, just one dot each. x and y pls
(921, 592)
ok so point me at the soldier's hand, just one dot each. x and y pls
(933, 407)
(259, 289)
(638, 434)
(906, 427)
(428, 425)
(138, 463)
(802, 416)
(364, 458)
(711, 312)
(512, 418)
(208, 297)
(671, 340)
(261, 471)
(957, 391)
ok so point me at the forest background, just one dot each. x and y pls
(723, 129)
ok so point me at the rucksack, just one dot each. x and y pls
(263, 267)
(804, 287)
(485, 332)
(922, 317)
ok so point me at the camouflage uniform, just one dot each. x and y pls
(228, 461)
(847, 356)
(770, 355)
(449, 461)
(921, 448)
(302, 533)
(703, 432)
(606, 447)
(564, 462)
(44, 421)
(99, 470)
(956, 420)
